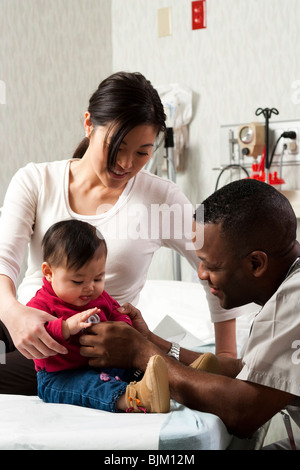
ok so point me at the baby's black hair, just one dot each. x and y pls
(72, 242)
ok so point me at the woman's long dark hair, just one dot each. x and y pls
(123, 101)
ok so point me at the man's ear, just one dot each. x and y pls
(257, 263)
(47, 271)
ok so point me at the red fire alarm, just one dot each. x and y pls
(199, 14)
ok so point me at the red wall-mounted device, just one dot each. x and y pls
(199, 14)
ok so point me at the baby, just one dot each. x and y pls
(74, 254)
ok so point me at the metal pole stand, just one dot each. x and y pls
(171, 171)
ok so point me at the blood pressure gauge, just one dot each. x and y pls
(251, 138)
(246, 135)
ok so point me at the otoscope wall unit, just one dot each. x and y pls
(243, 148)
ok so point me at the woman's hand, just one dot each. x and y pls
(26, 326)
(136, 317)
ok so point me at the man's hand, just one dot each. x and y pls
(136, 317)
(116, 344)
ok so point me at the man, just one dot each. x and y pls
(250, 254)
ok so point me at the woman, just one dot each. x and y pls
(103, 184)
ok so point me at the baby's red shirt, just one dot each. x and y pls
(45, 299)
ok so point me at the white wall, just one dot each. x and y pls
(248, 57)
(53, 54)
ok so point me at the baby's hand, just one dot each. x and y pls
(78, 322)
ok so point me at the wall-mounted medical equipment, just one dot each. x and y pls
(251, 139)
(260, 148)
(177, 101)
